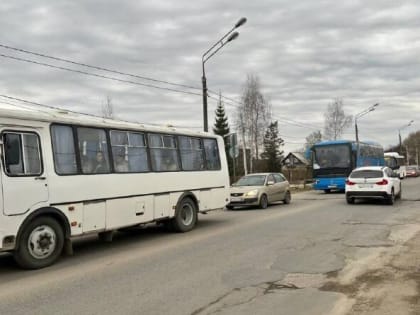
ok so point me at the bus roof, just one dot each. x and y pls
(394, 154)
(57, 115)
(332, 142)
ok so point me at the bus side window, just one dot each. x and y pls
(212, 154)
(63, 149)
(22, 154)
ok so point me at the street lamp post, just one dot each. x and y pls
(362, 113)
(399, 133)
(228, 37)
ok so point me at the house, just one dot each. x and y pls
(294, 160)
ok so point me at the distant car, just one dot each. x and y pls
(259, 189)
(377, 182)
(412, 171)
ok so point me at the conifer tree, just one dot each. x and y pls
(221, 128)
(221, 125)
(272, 148)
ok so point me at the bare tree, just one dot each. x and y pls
(335, 120)
(312, 138)
(108, 108)
(255, 113)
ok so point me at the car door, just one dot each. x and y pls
(270, 188)
(281, 186)
(24, 180)
(394, 178)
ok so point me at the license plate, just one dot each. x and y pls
(236, 199)
(332, 186)
(365, 186)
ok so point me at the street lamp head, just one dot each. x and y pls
(232, 37)
(241, 22)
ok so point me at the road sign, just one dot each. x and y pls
(234, 152)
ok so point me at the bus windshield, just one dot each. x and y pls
(332, 156)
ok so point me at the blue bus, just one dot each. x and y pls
(333, 161)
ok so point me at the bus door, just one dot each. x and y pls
(24, 180)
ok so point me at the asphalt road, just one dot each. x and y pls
(273, 261)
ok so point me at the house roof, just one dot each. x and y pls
(298, 155)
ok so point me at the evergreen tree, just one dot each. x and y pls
(272, 148)
(221, 128)
(221, 125)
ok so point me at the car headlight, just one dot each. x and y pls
(252, 193)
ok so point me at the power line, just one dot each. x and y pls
(97, 67)
(98, 75)
(80, 113)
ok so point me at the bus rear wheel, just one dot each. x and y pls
(40, 243)
(185, 216)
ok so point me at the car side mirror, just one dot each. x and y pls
(270, 182)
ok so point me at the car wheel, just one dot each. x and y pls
(350, 200)
(391, 197)
(327, 191)
(287, 198)
(399, 196)
(229, 207)
(263, 202)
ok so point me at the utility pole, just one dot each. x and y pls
(243, 144)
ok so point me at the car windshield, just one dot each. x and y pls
(413, 168)
(251, 180)
(366, 174)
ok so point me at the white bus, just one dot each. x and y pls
(65, 174)
(396, 162)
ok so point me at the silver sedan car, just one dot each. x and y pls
(259, 189)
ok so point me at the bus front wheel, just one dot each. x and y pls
(40, 243)
(185, 216)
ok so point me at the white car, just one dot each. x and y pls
(377, 182)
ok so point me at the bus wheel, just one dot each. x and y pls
(40, 244)
(185, 216)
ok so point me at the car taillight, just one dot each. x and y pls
(348, 182)
(382, 182)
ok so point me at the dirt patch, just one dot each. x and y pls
(390, 285)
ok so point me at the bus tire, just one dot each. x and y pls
(40, 244)
(185, 216)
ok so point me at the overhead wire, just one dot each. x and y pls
(98, 75)
(230, 100)
(97, 67)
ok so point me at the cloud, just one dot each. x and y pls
(305, 53)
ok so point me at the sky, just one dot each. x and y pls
(306, 54)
